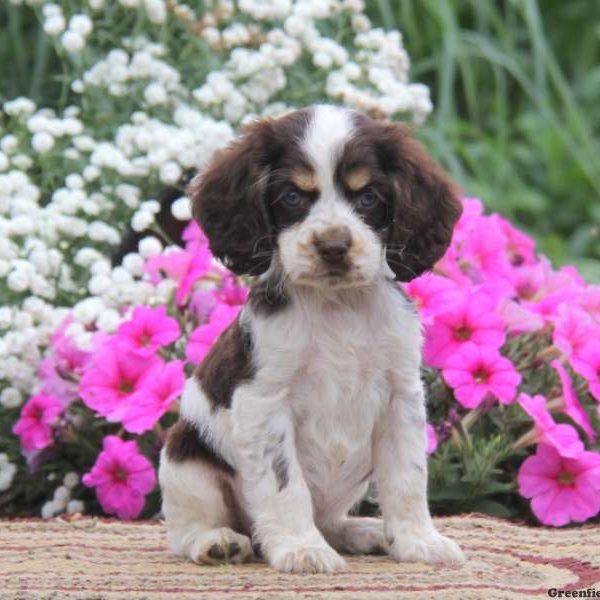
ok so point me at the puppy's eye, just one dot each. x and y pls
(368, 200)
(292, 198)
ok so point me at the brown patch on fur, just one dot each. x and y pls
(230, 197)
(227, 364)
(358, 178)
(305, 179)
(237, 522)
(184, 442)
(426, 202)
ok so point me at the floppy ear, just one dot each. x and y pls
(229, 202)
(426, 204)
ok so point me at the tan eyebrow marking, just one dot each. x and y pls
(305, 179)
(358, 178)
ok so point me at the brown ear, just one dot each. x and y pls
(229, 203)
(426, 204)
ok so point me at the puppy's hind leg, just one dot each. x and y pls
(199, 514)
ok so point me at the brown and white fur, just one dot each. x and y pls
(315, 389)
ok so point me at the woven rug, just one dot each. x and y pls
(101, 559)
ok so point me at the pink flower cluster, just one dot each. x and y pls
(59, 373)
(490, 288)
(494, 314)
(133, 377)
(127, 380)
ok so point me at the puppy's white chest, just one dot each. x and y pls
(335, 411)
(333, 365)
(337, 394)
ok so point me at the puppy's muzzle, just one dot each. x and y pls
(333, 248)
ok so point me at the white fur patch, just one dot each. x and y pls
(330, 128)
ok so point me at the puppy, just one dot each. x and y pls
(315, 390)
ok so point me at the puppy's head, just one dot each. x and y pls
(331, 196)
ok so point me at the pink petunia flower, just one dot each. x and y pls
(562, 489)
(60, 370)
(198, 267)
(148, 329)
(432, 442)
(518, 319)
(70, 358)
(475, 372)
(520, 247)
(194, 238)
(586, 362)
(483, 249)
(173, 264)
(590, 299)
(572, 407)
(561, 436)
(114, 376)
(471, 214)
(203, 337)
(182, 266)
(143, 409)
(34, 426)
(230, 292)
(122, 478)
(472, 319)
(543, 290)
(202, 302)
(485, 253)
(433, 295)
(450, 264)
(573, 327)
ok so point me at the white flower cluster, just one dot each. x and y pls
(120, 69)
(146, 144)
(74, 39)
(146, 110)
(54, 20)
(24, 332)
(7, 472)
(61, 501)
(369, 72)
(385, 63)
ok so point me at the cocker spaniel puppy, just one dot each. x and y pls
(315, 389)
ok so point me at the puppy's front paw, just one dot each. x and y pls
(300, 557)
(219, 546)
(424, 545)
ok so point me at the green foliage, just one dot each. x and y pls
(516, 91)
(465, 476)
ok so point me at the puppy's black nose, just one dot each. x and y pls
(333, 244)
